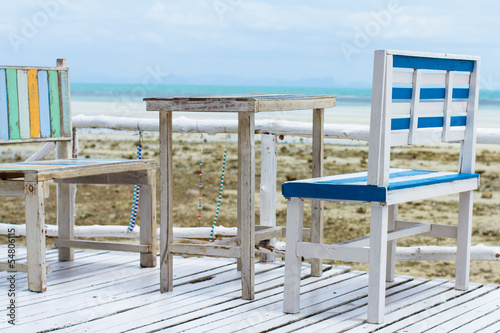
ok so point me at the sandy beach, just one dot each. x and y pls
(342, 113)
(111, 204)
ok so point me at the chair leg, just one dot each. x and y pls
(391, 245)
(66, 218)
(35, 236)
(294, 222)
(463, 241)
(147, 217)
(378, 261)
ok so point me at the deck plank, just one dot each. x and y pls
(481, 322)
(240, 315)
(182, 299)
(184, 312)
(427, 308)
(108, 292)
(493, 328)
(348, 314)
(120, 292)
(461, 312)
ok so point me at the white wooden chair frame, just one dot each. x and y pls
(38, 110)
(403, 113)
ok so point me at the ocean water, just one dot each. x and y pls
(353, 104)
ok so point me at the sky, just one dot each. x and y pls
(242, 42)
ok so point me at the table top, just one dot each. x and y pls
(240, 103)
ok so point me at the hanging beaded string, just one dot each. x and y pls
(220, 190)
(135, 200)
(201, 184)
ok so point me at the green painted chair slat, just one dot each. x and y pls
(4, 115)
(55, 108)
(13, 103)
(65, 107)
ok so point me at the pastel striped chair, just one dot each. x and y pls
(417, 98)
(35, 107)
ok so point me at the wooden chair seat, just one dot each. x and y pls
(72, 168)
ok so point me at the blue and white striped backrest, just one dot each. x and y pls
(434, 97)
(420, 98)
(34, 104)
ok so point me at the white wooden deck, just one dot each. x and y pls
(109, 292)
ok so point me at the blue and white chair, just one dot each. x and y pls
(417, 98)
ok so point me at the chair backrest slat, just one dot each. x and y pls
(13, 106)
(426, 98)
(448, 101)
(24, 110)
(4, 114)
(432, 62)
(34, 104)
(54, 102)
(44, 112)
(64, 103)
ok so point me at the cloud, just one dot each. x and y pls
(285, 39)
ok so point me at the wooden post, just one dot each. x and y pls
(66, 193)
(147, 218)
(35, 233)
(65, 206)
(246, 201)
(166, 210)
(317, 171)
(268, 170)
(76, 146)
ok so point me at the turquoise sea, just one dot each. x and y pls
(353, 104)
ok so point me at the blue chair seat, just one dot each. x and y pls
(354, 186)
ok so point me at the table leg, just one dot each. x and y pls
(166, 187)
(147, 216)
(246, 201)
(35, 235)
(317, 171)
(269, 159)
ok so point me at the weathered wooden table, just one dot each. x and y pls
(246, 107)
